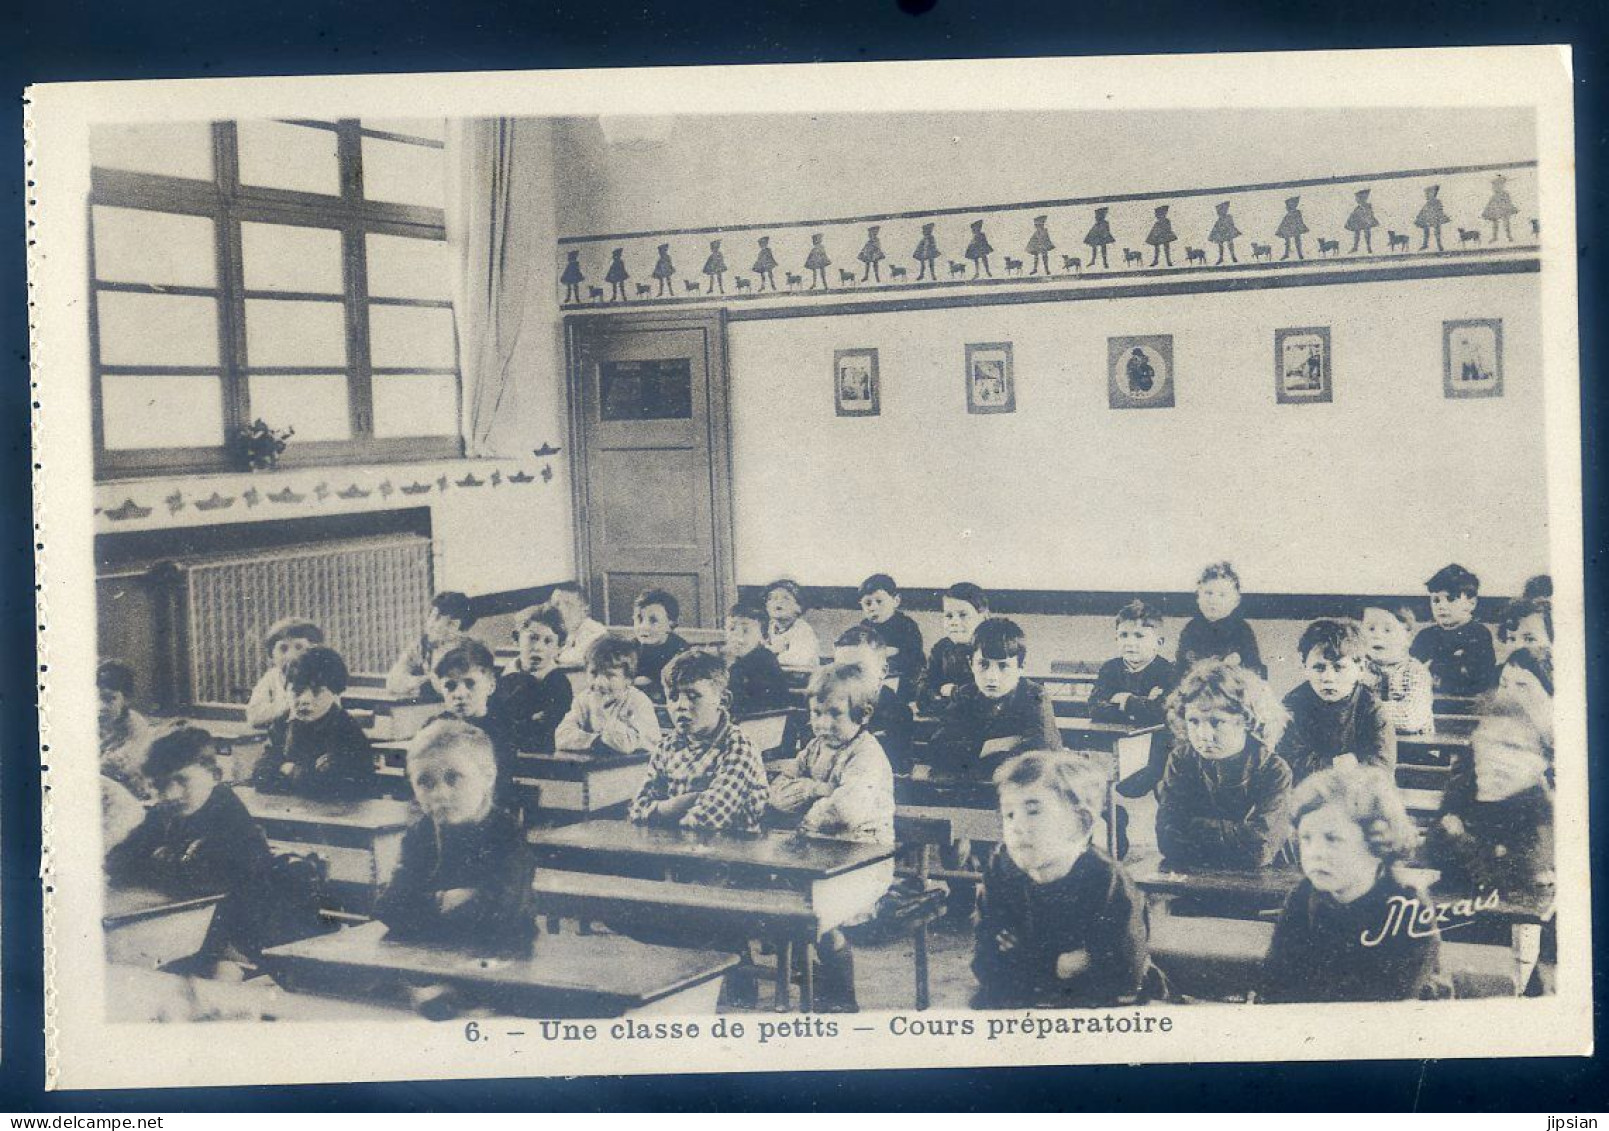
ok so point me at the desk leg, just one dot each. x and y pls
(784, 976)
(1525, 939)
(920, 939)
(1111, 818)
(807, 988)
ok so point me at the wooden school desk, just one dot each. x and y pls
(566, 976)
(1252, 890)
(361, 841)
(772, 886)
(576, 786)
(396, 717)
(151, 929)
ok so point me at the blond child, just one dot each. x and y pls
(1060, 924)
(287, 638)
(1402, 684)
(1353, 930)
(611, 714)
(1225, 796)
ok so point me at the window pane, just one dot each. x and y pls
(280, 257)
(433, 128)
(162, 411)
(281, 332)
(174, 149)
(399, 173)
(411, 337)
(400, 267)
(141, 329)
(315, 405)
(276, 155)
(416, 405)
(133, 245)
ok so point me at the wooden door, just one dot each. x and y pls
(651, 460)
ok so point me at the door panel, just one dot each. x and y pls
(651, 446)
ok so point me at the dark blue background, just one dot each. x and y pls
(60, 40)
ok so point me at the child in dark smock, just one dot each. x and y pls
(1220, 631)
(1334, 714)
(1354, 929)
(1060, 924)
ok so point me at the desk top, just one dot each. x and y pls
(812, 858)
(608, 966)
(1441, 738)
(575, 765)
(375, 814)
(124, 905)
(1272, 884)
(949, 793)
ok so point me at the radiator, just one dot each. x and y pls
(368, 595)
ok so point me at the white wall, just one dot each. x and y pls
(1368, 494)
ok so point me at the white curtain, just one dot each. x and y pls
(500, 219)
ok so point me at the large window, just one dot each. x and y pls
(292, 272)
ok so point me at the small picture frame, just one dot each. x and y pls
(1472, 358)
(1302, 365)
(991, 383)
(856, 388)
(1139, 371)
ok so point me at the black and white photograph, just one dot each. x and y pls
(505, 660)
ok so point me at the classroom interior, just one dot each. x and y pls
(457, 438)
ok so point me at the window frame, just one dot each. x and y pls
(228, 203)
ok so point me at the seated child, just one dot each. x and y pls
(287, 638)
(464, 879)
(1457, 650)
(879, 602)
(1060, 924)
(949, 665)
(465, 677)
(1334, 717)
(125, 733)
(756, 679)
(705, 774)
(1527, 622)
(891, 722)
(448, 620)
(1348, 932)
(1495, 828)
(1401, 683)
(580, 630)
(788, 634)
(840, 786)
(1225, 797)
(317, 750)
(610, 716)
(1527, 678)
(999, 713)
(1220, 631)
(653, 621)
(536, 695)
(200, 841)
(1132, 689)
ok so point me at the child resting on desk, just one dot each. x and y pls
(1060, 924)
(1225, 797)
(706, 774)
(841, 786)
(949, 665)
(287, 638)
(448, 620)
(200, 841)
(757, 682)
(317, 750)
(1495, 828)
(610, 716)
(999, 713)
(1348, 932)
(1334, 715)
(536, 695)
(464, 880)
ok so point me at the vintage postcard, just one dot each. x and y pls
(477, 644)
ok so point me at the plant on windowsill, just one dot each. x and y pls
(256, 446)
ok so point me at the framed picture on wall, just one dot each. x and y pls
(991, 384)
(855, 383)
(1139, 371)
(1302, 365)
(1472, 358)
